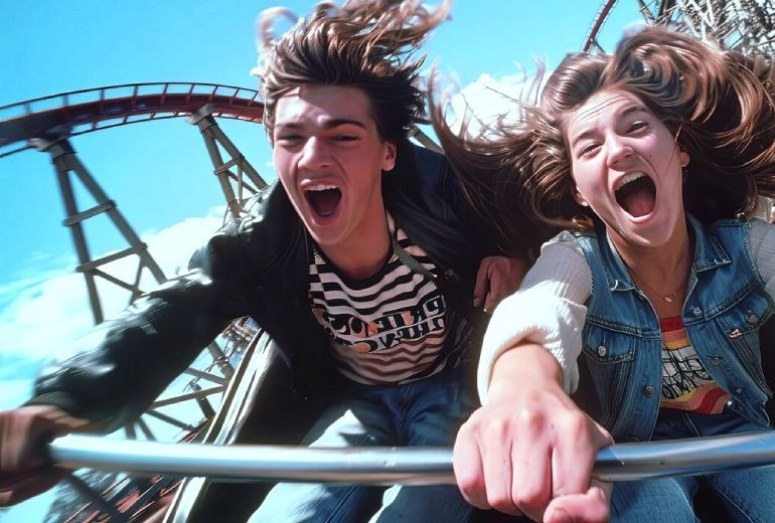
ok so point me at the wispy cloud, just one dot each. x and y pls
(486, 100)
(42, 313)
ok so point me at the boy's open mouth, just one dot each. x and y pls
(637, 194)
(323, 199)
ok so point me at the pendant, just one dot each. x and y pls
(668, 299)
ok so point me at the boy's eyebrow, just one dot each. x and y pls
(328, 124)
(336, 122)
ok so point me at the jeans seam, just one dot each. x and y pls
(690, 422)
(740, 507)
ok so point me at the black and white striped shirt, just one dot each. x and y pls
(389, 328)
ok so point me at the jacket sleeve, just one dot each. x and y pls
(123, 364)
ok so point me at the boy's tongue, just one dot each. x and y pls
(324, 202)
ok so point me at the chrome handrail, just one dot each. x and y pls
(391, 465)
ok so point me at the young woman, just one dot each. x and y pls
(652, 159)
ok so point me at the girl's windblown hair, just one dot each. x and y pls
(368, 44)
(721, 101)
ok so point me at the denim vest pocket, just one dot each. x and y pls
(609, 356)
(740, 324)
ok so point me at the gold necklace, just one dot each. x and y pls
(666, 297)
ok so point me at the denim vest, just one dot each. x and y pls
(726, 304)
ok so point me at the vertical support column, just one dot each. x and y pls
(65, 161)
(246, 177)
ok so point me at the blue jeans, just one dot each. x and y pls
(427, 412)
(747, 494)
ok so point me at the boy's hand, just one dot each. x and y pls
(498, 277)
(24, 471)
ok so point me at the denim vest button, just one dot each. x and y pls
(729, 404)
(648, 391)
(697, 311)
(753, 318)
(601, 351)
(716, 361)
(739, 390)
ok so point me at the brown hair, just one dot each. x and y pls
(367, 44)
(721, 101)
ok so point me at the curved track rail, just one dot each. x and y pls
(87, 110)
(47, 124)
(600, 19)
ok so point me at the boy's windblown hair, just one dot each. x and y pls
(368, 44)
(722, 103)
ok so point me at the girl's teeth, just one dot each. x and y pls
(629, 178)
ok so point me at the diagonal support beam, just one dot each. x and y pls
(246, 179)
(67, 164)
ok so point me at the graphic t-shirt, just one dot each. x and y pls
(686, 385)
(389, 328)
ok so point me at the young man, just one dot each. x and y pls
(361, 264)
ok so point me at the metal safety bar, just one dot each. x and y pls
(392, 465)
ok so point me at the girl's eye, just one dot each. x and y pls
(588, 149)
(637, 126)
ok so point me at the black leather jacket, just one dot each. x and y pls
(258, 266)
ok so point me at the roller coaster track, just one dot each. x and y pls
(747, 26)
(602, 15)
(87, 110)
(47, 124)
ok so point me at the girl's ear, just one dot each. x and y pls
(580, 199)
(684, 156)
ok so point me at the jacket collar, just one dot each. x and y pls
(708, 254)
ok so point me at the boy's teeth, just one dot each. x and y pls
(321, 187)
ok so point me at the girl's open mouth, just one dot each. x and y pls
(636, 194)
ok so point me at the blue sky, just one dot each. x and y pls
(159, 172)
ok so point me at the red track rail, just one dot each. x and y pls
(104, 107)
(600, 19)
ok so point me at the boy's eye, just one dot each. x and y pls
(637, 126)
(289, 138)
(345, 137)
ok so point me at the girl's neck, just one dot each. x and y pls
(661, 272)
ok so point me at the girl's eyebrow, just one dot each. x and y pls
(627, 111)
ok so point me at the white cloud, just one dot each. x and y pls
(40, 314)
(487, 99)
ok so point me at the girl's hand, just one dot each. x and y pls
(530, 450)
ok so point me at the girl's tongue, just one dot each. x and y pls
(637, 197)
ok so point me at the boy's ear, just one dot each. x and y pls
(389, 150)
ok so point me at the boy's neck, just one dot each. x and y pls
(366, 251)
